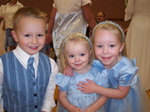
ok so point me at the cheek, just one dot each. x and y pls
(97, 51)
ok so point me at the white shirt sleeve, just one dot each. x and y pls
(129, 11)
(1, 85)
(49, 102)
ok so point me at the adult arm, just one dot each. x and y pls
(49, 102)
(50, 25)
(87, 13)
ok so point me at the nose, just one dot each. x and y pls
(77, 58)
(34, 39)
(105, 50)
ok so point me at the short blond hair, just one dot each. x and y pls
(27, 11)
(75, 37)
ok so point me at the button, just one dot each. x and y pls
(35, 94)
(33, 83)
(35, 106)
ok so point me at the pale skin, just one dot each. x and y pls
(75, 55)
(88, 16)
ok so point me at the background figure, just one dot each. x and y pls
(68, 16)
(2, 33)
(100, 17)
(138, 37)
(7, 13)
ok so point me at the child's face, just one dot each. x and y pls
(77, 55)
(107, 47)
(30, 34)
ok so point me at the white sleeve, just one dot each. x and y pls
(1, 85)
(129, 11)
(85, 2)
(49, 102)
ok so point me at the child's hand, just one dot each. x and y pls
(76, 109)
(88, 87)
(68, 71)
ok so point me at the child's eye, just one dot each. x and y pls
(112, 45)
(27, 35)
(99, 46)
(40, 35)
(82, 54)
(71, 56)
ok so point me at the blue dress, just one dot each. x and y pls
(75, 96)
(124, 73)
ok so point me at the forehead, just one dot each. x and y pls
(30, 20)
(105, 34)
(100, 14)
(72, 46)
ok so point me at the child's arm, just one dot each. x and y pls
(97, 105)
(50, 25)
(90, 87)
(64, 101)
(88, 16)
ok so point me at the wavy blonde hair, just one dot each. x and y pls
(75, 37)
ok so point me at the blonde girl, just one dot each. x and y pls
(76, 51)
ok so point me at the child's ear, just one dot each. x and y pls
(122, 46)
(14, 35)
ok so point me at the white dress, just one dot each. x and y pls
(68, 19)
(138, 37)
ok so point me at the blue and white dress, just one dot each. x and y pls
(124, 73)
(75, 96)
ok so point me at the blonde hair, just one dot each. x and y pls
(115, 29)
(27, 12)
(75, 37)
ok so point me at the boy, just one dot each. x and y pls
(27, 77)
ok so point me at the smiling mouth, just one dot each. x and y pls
(106, 58)
(78, 65)
(33, 47)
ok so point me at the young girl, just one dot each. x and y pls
(75, 52)
(125, 92)
(68, 16)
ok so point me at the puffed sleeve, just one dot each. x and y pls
(62, 81)
(129, 11)
(85, 2)
(128, 75)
